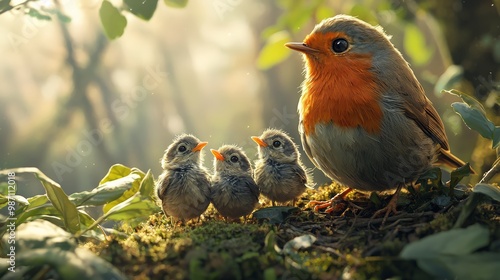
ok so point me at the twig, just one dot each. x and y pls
(495, 169)
(366, 221)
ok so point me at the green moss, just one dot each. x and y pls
(348, 244)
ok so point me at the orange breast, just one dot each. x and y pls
(342, 91)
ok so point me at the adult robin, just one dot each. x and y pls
(365, 120)
(184, 185)
(279, 172)
(234, 191)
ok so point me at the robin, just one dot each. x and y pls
(234, 191)
(184, 185)
(279, 173)
(365, 120)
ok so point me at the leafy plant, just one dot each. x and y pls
(124, 195)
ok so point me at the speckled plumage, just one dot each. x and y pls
(279, 173)
(234, 191)
(184, 185)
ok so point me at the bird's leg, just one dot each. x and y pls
(329, 203)
(293, 202)
(391, 206)
(274, 203)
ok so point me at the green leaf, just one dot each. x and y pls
(270, 274)
(132, 180)
(458, 174)
(468, 99)
(449, 254)
(431, 179)
(38, 15)
(61, 202)
(107, 192)
(475, 119)
(40, 243)
(55, 194)
(454, 242)
(176, 3)
(134, 207)
(274, 215)
(489, 190)
(147, 185)
(4, 200)
(415, 45)
(112, 20)
(86, 222)
(452, 75)
(274, 51)
(143, 9)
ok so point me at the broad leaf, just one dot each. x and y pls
(112, 20)
(489, 190)
(143, 9)
(147, 185)
(474, 119)
(133, 181)
(449, 254)
(454, 242)
(134, 207)
(274, 51)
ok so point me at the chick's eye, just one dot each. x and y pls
(340, 45)
(234, 159)
(276, 144)
(181, 148)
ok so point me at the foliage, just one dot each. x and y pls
(298, 17)
(125, 194)
(112, 17)
(474, 116)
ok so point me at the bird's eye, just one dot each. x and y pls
(181, 148)
(234, 159)
(340, 45)
(276, 144)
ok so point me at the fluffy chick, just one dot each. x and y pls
(184, 185)
(279, 172)
(234, 192)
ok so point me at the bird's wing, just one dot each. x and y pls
(419, 108)
(254, 189)
(162, 184)
(305, 145)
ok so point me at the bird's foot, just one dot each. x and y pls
(332, 205)
(390, 208)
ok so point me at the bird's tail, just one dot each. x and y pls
(450, 160)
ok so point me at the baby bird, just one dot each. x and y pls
(184, 185)
(234, 192)
(279, 172)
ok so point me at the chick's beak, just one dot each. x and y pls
(217, 155)
(259, 141)
(301, 47)
(199, 146)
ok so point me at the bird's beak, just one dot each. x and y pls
(301, 47)
(217, 155)
(259, 141)
(199, 146)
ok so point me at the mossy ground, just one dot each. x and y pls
(350, 243)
